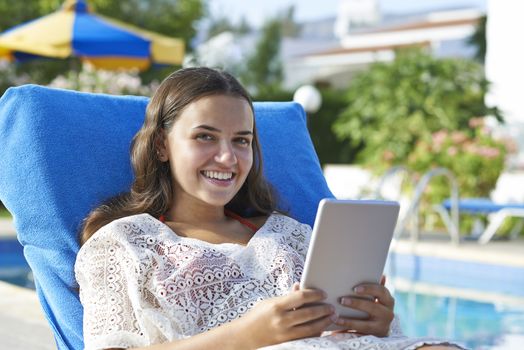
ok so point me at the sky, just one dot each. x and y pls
(255, 11)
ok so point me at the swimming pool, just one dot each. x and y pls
(485, 318)
(478, 325)
(13, 266)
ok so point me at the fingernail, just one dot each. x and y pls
(358, 289)
(334, 317)
(345, 301)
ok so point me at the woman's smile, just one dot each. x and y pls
(219, 178)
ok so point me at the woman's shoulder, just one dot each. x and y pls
(125, 228)
(125, 235)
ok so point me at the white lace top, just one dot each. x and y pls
(141, 284)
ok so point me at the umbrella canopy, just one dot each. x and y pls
(105, 43)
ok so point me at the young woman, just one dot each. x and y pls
(173, 264)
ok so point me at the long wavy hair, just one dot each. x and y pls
(152, 188)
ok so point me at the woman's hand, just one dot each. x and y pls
(377, 303)
(299, 314)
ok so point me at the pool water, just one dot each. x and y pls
(478, 325)
(13, 266)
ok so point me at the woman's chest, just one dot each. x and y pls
(184, 269)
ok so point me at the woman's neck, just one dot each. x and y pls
(196, 213)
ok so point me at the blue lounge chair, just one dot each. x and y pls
(63, 152)
(496, 212)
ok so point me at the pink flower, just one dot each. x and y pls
(458, 137)
(438, 139)
(476, 122)
(452, 151)
(388, 155)
(488, 152)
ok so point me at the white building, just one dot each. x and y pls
(504, 69)
(445, 33)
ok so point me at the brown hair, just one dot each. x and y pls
(152, 189)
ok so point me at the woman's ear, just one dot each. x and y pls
(161, 146)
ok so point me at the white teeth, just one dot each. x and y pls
(218, 175)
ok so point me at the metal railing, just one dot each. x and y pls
(413, 211)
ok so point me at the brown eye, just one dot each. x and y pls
(243, 141)
(205, 137)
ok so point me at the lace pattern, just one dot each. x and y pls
(141, 284)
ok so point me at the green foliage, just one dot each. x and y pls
(169, 17)
(392, 106)
(478, 39)
(264, 68)
(16, 12)
(4, 214)
(475, 158)
(289, 27)
(224, 24)
(329, 148)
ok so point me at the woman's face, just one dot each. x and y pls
(209, 149)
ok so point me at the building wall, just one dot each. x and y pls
(505, 67)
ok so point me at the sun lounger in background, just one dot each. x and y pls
(496, 213)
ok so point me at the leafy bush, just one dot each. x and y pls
(475, 158)
(330, 149)
(320, 124)
(9, 77)
(392, 106)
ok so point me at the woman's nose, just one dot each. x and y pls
(226, 154)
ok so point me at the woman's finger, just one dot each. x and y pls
(376, 292)
(296, 299)
(368, 306)
(311, 329)
(363, 326)
(310, 313)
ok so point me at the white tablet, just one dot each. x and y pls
(349, 246)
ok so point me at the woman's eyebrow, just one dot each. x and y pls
(207, 127)
(212, 128)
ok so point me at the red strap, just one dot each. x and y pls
(240, 219)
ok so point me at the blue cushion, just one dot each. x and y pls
(63, 152)
(480, 205)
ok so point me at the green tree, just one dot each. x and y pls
(289, 27)
(224, 24)
(15, 12)
(177, 18)
(478, 39)
(330, 149)
(264, 67)
(393, 105)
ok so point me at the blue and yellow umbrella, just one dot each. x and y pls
(105, 43)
